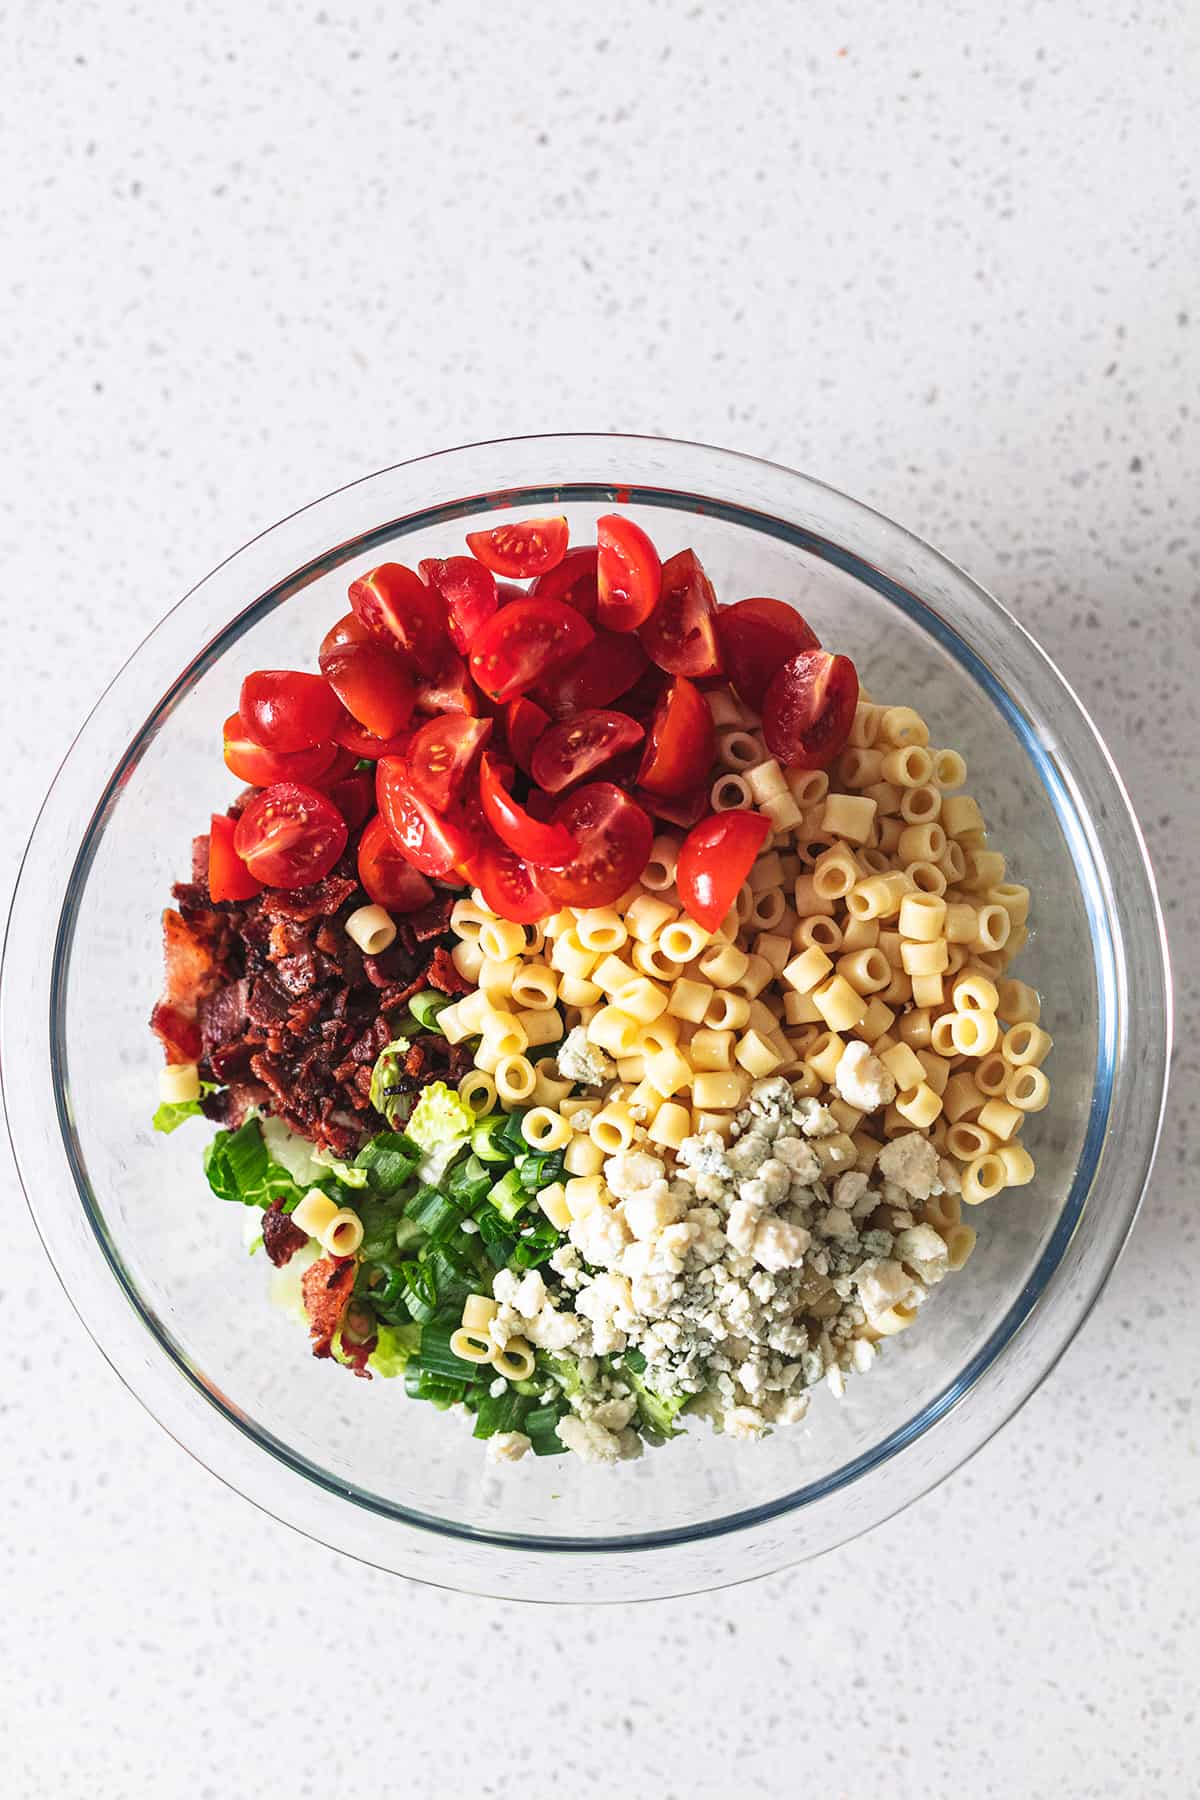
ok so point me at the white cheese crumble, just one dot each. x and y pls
(583, 1062)
(862, 1080)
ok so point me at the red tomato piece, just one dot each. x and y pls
(608, 668)
(430, 842)
(349, 629)
(354, 797)
(524, 723)
(374, 684)
(614, 836)
(396, 606)
(387, 877)
(756, 638)
(468, 593)
(574, 747)
(508, 885)
(359, 743)
(716, 857)
(809, 709)
(523, 642)
(680, 634)
(285, 709)
(344, 763)
(680, 743)
(290, 835)
(531, 838)
(642, 698)
(573, 581)
(521, 548)
(253, 763)
(440, 756)
(450, 690)
(228, 876)
(685, 809)
(628, 574)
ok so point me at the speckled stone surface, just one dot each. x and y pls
(948, 265)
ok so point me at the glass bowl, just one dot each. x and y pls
(156, 1267)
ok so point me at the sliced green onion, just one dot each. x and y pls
(539, 1426)
(439, 1359)
(487, 1142)
(426, 1006)
(503, 1412)
(508, 1196)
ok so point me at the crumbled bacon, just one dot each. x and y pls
(326, 1286)
(444, 976)
(281, 1239)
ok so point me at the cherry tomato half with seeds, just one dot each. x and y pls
(508, 885)
(441, 754)
(252, 762)
(608, 668)
(809, 709)
(354, 797)
(468, 593)
(680, 743)
(228, 876)
(628, 574)
(387, 878)
(614, 846)
(574, 747)
(364, 744)
(286, 709)
(396, 606)
(530, 837)
(573, 581)
(525, 641)
(450, 690)
(290, 835)
(680, 634)
(374, 684)
(430, 842)
(521, 548)
(716, 857)
(756, 638)
(685, 809)
(524, 723)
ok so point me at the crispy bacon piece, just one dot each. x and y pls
(195, 965)
(317, 902)
(281, 1239)
(326, 1287)
(443, 975)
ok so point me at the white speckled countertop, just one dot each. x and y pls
(949, 267)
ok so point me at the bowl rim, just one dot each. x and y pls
(1053, 777)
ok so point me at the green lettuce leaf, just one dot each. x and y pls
(238, 1168)
(386, 1073)
(439, 1117)
(396, 1344)
(170, 1114)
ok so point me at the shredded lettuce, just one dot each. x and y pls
(349, 1174)
(396, 1343)
(385, 1074)
(440, 1117)
(238, 1168)
(170, 1114)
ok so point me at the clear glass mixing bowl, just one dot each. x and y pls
(157, 1268)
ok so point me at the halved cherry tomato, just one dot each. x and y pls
(468, 592)
(431, 843)
(396, 606)
(285, 709)
(349, 629)
(354, 797)
(756, 638)
(389, 880)
(529, 837)
(523, 642)
(685, 809)
(374, 684)
(628, 574)
(524, 723)
(574, 747)
(290, 835)
(450, 689)
(609, 666)
(716, 857)
(809, 709)
(351, 736)
(524, 547)
(228, 876)
(508, 591)
(508, 884)
(614, 845)
(251, 762)
(640, 700)
(680, 633)
(344, 763)
(680, 743)
(574, 581)
(440, 756)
